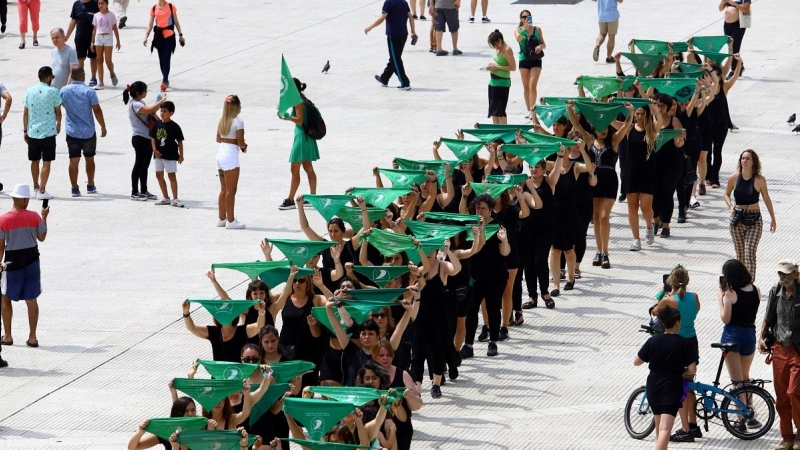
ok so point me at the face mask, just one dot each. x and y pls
(786, 283)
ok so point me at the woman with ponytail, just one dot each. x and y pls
(230, 135)
(304, 150)
(139, 115)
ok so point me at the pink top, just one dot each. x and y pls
(104, 22)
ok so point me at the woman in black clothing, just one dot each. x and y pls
(334, 258)
(539, 230)
(720, 118)
(669, 166)
(181, 407)
(738, 306)
(510, 214)
(226, 339)
(688, 115)
(732, 27)
(412, 401)
(257, 290)
(300, 330)
(584, 203)
(638, 175)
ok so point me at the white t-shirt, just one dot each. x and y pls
(104, 22)
(237, 124)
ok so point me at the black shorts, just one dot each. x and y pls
(530, 63)
(87, 146)
(42, 149)
(671, 410)
(83, 48)
(446, 16)
(498, 100)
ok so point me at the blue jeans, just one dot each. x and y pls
(744, 336)
(165, 51)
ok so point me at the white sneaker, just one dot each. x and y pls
(177, 203)
(44, 196)
(221, 223)
(636, 245)
(163, 201)
(235, 225)
(650, 237)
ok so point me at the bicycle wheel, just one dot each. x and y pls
(753, 422)
(639, 420)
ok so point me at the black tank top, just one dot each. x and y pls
(743, 312)
(745, 192)
(295, 329)
(583, 190)
(542, 218)
(433, 292)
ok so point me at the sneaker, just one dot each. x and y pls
(404, 88)
(665, 232)
(44, 196)
(694, 430)
(753, 423)
(492, 350)
(235, 225)
(114, 79)
(605, 264)
(3, 362)
(457, 52)
(471, 19)
(221, 223)
(442, 53)
(436, 391)
(93, 82)
(621, 198)
(99, 87)
(378, 79)
(681, 436)
(137, 196)
(503, 333)
(693, 203)
(452, 371)
(149, 196)
(415, 17)
(610, 60)
(287, 204)
(596, 53)
(466, 352)
(431, 50)
(122, 22)
(785, 446)
(681, 219)
(598, 259)
(91, 189)
(636, 245)
(76, 192)
(484, 336)
(177, 203)
(163, 201)
(485, 19)
(650, 237)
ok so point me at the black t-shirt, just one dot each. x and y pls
(356, 358)
(167, 136)
(488, 261)
(668, 354)
(231, 350)
(83, 14)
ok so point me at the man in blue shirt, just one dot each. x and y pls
(396, 13)
(41, 119)
(608, 19)
(80, 101)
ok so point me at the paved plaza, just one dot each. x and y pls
(115, 271)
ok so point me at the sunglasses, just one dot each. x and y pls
(300, 280)
(251, 359)
(381, 315)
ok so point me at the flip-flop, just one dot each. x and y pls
(549, 302)
(3, 341)
(32, 344)
(530, 304)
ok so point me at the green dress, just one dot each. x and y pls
(304, 148)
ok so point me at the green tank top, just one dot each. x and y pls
(524, 41)
(505, 76)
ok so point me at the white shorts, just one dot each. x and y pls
(104, 40)
(228, 156)
(165, 165)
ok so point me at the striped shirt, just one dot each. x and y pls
(21, 230)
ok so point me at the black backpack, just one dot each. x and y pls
(530, 46)
(314, 126)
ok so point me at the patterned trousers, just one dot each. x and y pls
(745, 241)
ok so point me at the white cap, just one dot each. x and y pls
(21, 191)
(787, 266)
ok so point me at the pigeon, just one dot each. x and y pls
(327, 67)
(791, 119)
(796, 129)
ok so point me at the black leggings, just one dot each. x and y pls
(667, 177)
(489, 288)
(733, 30)
(165, 51)
(4, 11)
(537, 266)
(144, 153)
(430, 336)
(684, 190)
(719, 132)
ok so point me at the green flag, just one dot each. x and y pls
(709, 43)
(364, 308)
(321, 314)
(251, 269)
(300, 252)
(494, 190)
(356, 396)
(451, 217)
(463, 150)
(404, 178)
(543, 139)
(207, 392)
(689, 67)
(290, 96)
(213, 439)
(651, 47)
(561, 101)
(224, 370)
(164, 427)
(376, 294)
(682, 89)
(324, 445)
(490, 231)
(634, 101)
(272, 395)
(225, 310)
(533, 153)
(486, 135)
(436, 165)
(600, 115)
(509, 178)
(665, 135)
(714, 56)
(549, 114)
(627, 81)
(328, 205)
(352, 216)
(429, 229)
(504, 126)
(680, 46)
(394, 394)
(318, 416)
(284, 371)
(689, 75)
(381, 275)
(644, 63)
(598, 86)
(379, 197)
(388, 243)
(278, 275)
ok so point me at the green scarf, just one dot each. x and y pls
(598, 86)
(549, 114)
(600, 115)
(627, 81)
(423, 230)
(279, 275)
(451, 217)
(352, 216)
(689, 67)
(356, 396)
(321, 314)
(651, 47)
(225, 310)
(207, 392)
(379, 197)
(709, 43)
(503, 126)
(464, 150)
(490, 231)
(636, 102)
(644, 63)
(692, 75)
(285, 371)
(436, 165)
(388, 243)
(680, 47)
(365, 308)
(381, 275)
(273, 394)
(300, 252)
(494, 190)
(682, 89)
(665, 135)
(318, 416)
(213, 439)
(224, 370)
(324, 445)
(165, 427)
(404, 178)
(251, 269)
(492, 135)
(533, 153)
(543, 139)
(509, 178)
(714, 56)
(383, 295)
(562, 101)
(328, 205)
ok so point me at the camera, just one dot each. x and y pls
(737, 218)
(769, 340)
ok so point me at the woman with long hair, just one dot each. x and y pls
(746, 185)
(230, 136)
(638, 174)
(720, 118)
(738, 306)
(510, 211)
(269, 341)
(181, 407)
(383, 354)
(540, 228)
(304, 150)
(500, 70)
(529, 69)
(164, 18)
(300, 330)
(138, 115)
(669, 166)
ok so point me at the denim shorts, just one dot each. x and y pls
(744, 336)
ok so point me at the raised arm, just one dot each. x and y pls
(301, 216)
(254, 328)
(220, 292)
(445, 198)
(197, 330)
(341, 336)
(576, 124)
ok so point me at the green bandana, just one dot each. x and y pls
(324, 445)
(213, 439)
(383, 295)
(509, 178)
(328, 205)
(284, 371)
(709, 43)
(627, 82)
(636, 102)
(599, 86)
(394, 394)
(490, 231)
(504, 126)
(451, 217)
(274, 392)
(549, 114)
(494, 190)
(428, 245)
(225, 310)
(321, 314)
(600, 115)
(714, 56)
(533, 153)
(289, 95)
(404, 178)
(279, 275)
(300, 252)
(561, 101)
(251, 269)
(644, 63)
(352, 216)
(423, 230)
(164, 428)
(381, 275)
(543, 139)
(365, 308)
(650, 47)
(318, 416)
(436, 165)
(693, 75)
(223, 370)
(680, 47)
(388, 243)
(379, 197)
(207, 392)
(492, 135)
(665, 135)
(682, 89)
(356, 396)
(689, 67)
(464, 150)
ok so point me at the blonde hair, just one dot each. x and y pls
(678, 279)
(231, 108)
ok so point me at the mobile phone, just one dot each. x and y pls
(667, 287)
(722, 282)
(414, 40)
(530, 19)
(45, 203)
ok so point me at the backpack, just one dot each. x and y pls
(530, 47)
(314, 126)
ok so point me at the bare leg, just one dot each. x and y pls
(22, 38)
(231, 184)
(524, 74)
(173, 183)
(484, 315)
(90, 168)
(35, 173)
(502, 120)
(8, 313)
(605, 221)
(610, 50)
(571, 261)
(221, 198)
(599, 41)
(109, 51)
(93, 66)
(295, 183)
(598, 204)
(646, 203)
(162, 184)
(99, 63)
(312, 176)
(33, 318)
(461, 332)
(555, 268)
(73, 171)
(507, 294)
(439, 40)
(454, 36)
(664, 428)
(45, 175)
(701, 167)
(484, 6)
(533, 83)
(633, 214)
(472, 7)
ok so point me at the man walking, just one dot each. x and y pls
(20, 230)
(81, 21)
(121, 11)
(396, 13)
(80, 102)
(41, 120)
(62, 58)
(608, 19)
(445, 12)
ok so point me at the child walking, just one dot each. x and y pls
(167, 139)
(105, 22)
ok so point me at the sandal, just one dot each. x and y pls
(598, 257)
(530, 304)
(549, 302)
(33, 344)
(577, 274)
(701, 190)
(21, 45)
(3, 341)
(35, 42)
(518, 319)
